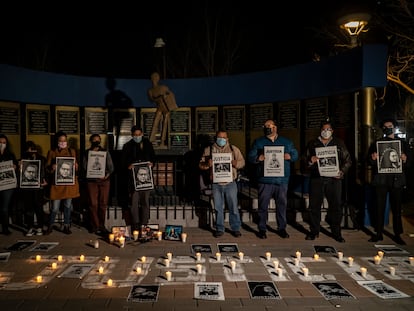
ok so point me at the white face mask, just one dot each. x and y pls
(62, 144)
(326, 134)
(2, 147)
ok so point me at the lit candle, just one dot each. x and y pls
(411, 260)
(111, 238)
(233, 265)
(184, 237)
(198, 256)
(276, 264)
(109, 282)
(377, 259)
(279, 272)
(54, 265)
(298, 254)
(139, 270)
(316, 257)
(60, 258)
(350, 261)
(363, 271)
(101, 269)
(168, 275)
(121, 241)
(241, 255)
(143, 259)
(167, 262)
(38, 257)
(96, 244)
(297, 261)
(106, 258)
(169, 256)
(199, 268)
(159, 235)
(218, 256)
(82, 258)
(305, 272)
(381, 254)
(340, 256)
(135, 233)
(268, 255)
(39, 279)
(392, 271)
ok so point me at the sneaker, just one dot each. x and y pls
(30, 232)
(39, 231)
(237, 234)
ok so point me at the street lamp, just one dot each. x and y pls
(159, 43)
(354, 24)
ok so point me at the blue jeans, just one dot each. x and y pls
(5, 200)
(279, 194)
(226, 194)
(67, 210)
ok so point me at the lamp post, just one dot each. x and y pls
(354, 24)
(159, 43)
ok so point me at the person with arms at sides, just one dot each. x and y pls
(33, 198)
(326, 186)
(275, 187)
(390, 184)
(165, 101)
(138, 149)
(61, 194)
(98, 188)
(6, 195)
(224, 192)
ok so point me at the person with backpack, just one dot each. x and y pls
(225, 190)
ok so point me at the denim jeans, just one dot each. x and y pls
(67, 210)
(226, 194)
(279, 194)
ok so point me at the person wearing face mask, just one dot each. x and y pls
(269, 187)
(388, 184)
(6, 195)
(224, 192)
(61, 194)
(138, 149)
(323, 186)
(98, 188)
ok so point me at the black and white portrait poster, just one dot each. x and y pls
(30, 174)
(142, 174)
(8, 178)
(227, 247)
(77, 271)
(222, 169)
(389, 156)
(332, 290)
(328, 163)
(274, 162)
(382, 289)
(208, 290)
(263, 290)
(144, 293)
(65, 171)
(96, 164)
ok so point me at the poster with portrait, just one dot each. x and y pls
(208, 290)
(30, 174)
(142, 175)
(173, 232)
(143, 293)
(96, 164)
(8, 178)
(328, 163)
(222, 168)
(274, 162)
(389, 156)
(65, 171)
(263, 290)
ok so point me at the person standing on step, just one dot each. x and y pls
(224, 192)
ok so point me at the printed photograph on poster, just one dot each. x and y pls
(77, 271)
(21, 245)
(65, 171)
(201, 248)
(30, 174)
(274, 162)
(328, 163)
(119, 231)
(227, 247)
(96, 164)
(143, 293)
(263, 290)
(8, 178)
(389, 156)
(44, 246)
(222, 168)
(142, 174)
(208, 290)
(382, 289)
(173, 232)
(332, 290)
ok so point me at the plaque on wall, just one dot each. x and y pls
(342, 107)
(259, 114)
(181, 141)
(288, 115)
(96, 121)
(180, 120)
(316, 111)
(38, 121)
(233, 118)
(9, 120)
(207, 119)
(67, 120)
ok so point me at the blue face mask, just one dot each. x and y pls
(221, 141)
(137, 139)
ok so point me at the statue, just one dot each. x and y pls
(165, 102)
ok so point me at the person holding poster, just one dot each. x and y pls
(224, 159)
(6, 193)
(99, 167)
(388, 179)
(272, 182)
(328, 160)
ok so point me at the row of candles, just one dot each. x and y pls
(135, 234)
